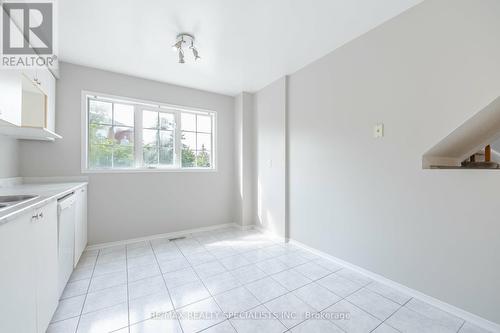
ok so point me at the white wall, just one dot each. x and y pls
(9, 166)
(368, 201)
(245, 158)
(270, 178)
(123, 206)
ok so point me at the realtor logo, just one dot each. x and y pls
(27, 34)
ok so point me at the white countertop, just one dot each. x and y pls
(45, 191)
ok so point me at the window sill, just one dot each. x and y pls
(147, 170)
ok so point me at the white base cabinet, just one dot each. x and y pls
(29, 271)
(17, 277)
(80, 223)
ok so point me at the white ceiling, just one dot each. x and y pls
(244, 45)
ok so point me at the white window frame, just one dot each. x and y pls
(152, 106)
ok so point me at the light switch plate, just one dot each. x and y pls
(378, 131)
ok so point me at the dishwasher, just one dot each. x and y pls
(66, 237)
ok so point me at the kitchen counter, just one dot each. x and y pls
(46, 192)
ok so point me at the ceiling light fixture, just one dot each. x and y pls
(185, 40)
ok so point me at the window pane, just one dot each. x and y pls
(166, 156)
(188, 158)
(123, 156)
(166, 139)
(149, 119)
(167, 121)
(204, 141)
(188, 122)
(189, 140)
(100, 156)
(124, 136)
(204, 124)
(150, 155)
(124, 115)
(100, 134)
(149, 137)
(100, 112)
(203, 159)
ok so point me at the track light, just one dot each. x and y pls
(183, 40)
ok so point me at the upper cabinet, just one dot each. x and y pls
(27, 104)
(10, 97)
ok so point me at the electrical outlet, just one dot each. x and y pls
(378, 131)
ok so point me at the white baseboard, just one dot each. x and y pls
(174, 234)
(467, 316)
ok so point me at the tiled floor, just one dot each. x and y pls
(233, 281)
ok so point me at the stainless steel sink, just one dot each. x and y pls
(8, 201)
(15, 198)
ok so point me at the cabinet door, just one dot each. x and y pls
(17, 285)
(10, 96)
(80, 223)
(46, 264)
(47, 84)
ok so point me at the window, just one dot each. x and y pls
(122, 134)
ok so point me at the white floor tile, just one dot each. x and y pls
(357, 320)
(470, 328)
(173, 265)
(148, 286)
(68, 308)
(435, 314)
(112, 249)
(354, 276)
(236, 301)
(291, 279)
(76, 288)
(112, 267)
(105, 298)
(169, 255)
(373, 303)
(409, 321)
(156, 326)
(234, 262)
(339, 285)
(221, 282)
(206, 314)
(248, 274)
(292, 259)
(383, 328)
(107, 281)
(313, 271)
(272, 266)
(328, 264)
(188, 293)
(147, 307)
(200, 258)
(143, 260)
(63, 326)
(142, 272)
(180, 277)
(234, 270)
(224, 327)
(257, 255)
(81, 273)
(290, 309)
(316, 326)
(389, 292)
(317, 296)
(209, 269)
(111, 257)
(266, 289)
(258, 319)
(103, 321)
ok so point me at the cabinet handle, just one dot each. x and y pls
(40, 215)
